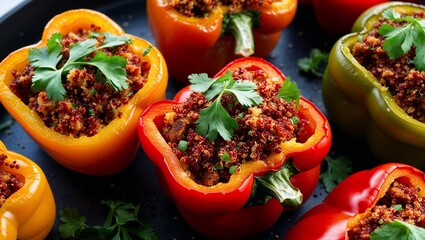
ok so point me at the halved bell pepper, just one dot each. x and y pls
(352, 197)
(359, 105)
(30, 212)
(114, 147)
(220, 211)
(196, 45)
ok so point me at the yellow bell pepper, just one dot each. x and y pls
(30, 212)
(114, 146)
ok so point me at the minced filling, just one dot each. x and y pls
(90, 103)
(401, 202)
(261, 130)
(9, 184)
(201, 8)
(398, 76)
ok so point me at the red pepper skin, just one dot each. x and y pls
(195, 45)
(209, 210)
(352, 196)
(338, 16)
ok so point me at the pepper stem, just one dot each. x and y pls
(276, 185)
(240, 25)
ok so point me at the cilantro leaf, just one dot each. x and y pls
(399, 40)
(398, 230)
(48, 77)
(313, 63)
(337, 170)
(121, 223)
(214, 119)
(289, 91)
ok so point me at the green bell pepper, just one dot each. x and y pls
(358, 104)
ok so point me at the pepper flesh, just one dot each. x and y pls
(195, 45)
(222, 205)
(114, 147)
(30, 212)
(352, 197)
(361, 107)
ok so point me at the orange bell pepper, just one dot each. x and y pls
(197, 45)
(30, 212)
(113, 147)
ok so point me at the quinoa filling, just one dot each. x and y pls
(259, 133)
(90, 103)
(201, 8)
(398, 76)
(401, 202)
(9, 183)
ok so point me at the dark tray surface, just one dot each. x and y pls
(138, 183)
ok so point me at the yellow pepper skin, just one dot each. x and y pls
(30, 212)
(361, 107)
(114, 147)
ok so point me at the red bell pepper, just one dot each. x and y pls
(220, 211)
(197, 45)
(352, 197)
(338, 16)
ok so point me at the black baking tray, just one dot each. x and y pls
(138, 184)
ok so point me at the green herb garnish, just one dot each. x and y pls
(289, 91)
(313, 63)
(398, 207)
(121, 223)
(398, 230)
(147, 50)
(399, 40)
(337, 170)
(233, 169)
(45, 61)
(182, 146)
(214, 119)
(225, 157)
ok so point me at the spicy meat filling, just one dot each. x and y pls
(201, 8)
(90, 103)
(399, 76)
(259, 133)
(9, 183)
(400, 202)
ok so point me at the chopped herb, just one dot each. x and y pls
(337, 170)
(398, 230)
(225, 156)
(182, 146)
(399, 40)
(295, 120)
(233, 169)
(45, 61)
(91, 111)
(216, 168)
(147, 50)
(314, 62)
(121, 223)
(214, 119)
(398, 207)
(74, 105)
(289, 91)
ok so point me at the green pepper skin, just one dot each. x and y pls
(359, 106)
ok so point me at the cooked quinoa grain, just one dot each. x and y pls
(90, 103)
(398, 76)
(9, 184)
(260, 131)
(401, 202)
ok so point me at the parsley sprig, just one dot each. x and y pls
(337, 170)
(214, 120)
(121, 223)
(48, 77)
(399, 40)
(398, 230)
(314, 62)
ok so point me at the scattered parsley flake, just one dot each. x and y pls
(182, 146)
(313, 63)
(233, 169)
(147, 50)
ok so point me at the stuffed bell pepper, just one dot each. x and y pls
(235, 151)
(27, 206)
(203, 36)
(373, 86)
(386, 202)
(79, 90)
